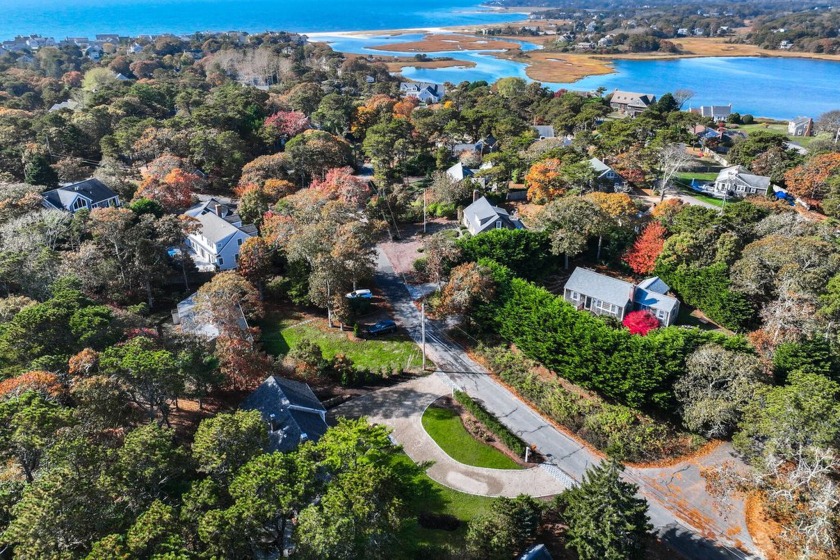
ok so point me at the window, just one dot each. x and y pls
(79, 203)
(220, 260)
(239, 242)
(236, 257)
(499, 224)
(575, 296)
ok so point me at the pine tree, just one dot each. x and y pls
(606, 519)
(38, 172)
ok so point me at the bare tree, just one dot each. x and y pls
(681, 96)
(672, 159)
(830, 122)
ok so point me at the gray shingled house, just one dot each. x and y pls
(481, 216)
(290, 409)
(89, 194)
(602, 295)
(738, 181)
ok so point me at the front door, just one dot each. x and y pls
(587, 304)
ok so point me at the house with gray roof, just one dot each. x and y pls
(193, 322)
(603, 295)
(801, 126)
(737, 181)
(459, 172)
(630, 103)
(604, 174)
(481, 216)
(291, 411)
(425, 92)
(215, 245)
(544, 131)
(716, 112)
(89, 194)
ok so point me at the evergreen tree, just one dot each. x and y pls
(606, 519)
(38, 172)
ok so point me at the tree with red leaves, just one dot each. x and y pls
(286, 124)
(174, 192)
(640, 322)
(642, 256)
(242, 363)
(340, 183)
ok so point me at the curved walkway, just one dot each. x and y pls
(401, 407)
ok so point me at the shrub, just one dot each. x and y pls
(508, 438)
(640, 322)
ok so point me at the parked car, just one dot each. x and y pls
(382, 327)
(365, 294)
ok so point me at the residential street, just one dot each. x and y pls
(716, 525)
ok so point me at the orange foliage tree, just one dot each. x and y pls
(642, 256)
(42, 382)
(255, 261)
(545, 181)
(808, 181)
(83, 363)
(243, 365)
(174, 192)
(340, 183)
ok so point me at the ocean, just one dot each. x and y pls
(85, 18)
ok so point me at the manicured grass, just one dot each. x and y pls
(781, 128)
(688, 176)
(446, 428)
(391, 352)
(705, 198)
(432, 497)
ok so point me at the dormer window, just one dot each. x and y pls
(499, 224)
(79, 204)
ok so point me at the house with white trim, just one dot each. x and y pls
(737, 181)
(89, 194)
(215, 245)
(481, 216)
(603, 295)
(425, 92)
(630, 103)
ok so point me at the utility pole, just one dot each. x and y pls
(423, 330)
(424, 210)
(329, 311)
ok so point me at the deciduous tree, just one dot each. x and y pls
(641, 258)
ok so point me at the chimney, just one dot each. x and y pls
(475, 195)
(176, 317)
(217, 208)
(272, 422)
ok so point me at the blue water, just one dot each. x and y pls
(81, 18)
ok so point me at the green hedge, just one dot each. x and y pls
(617, 430)
(526, 252)
(508, 438)
(707, 288)
(638, 371)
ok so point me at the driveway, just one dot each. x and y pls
(401, 407)
(694, 523)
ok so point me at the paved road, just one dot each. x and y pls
(710, 543)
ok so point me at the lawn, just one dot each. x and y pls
(781, 128)
(446, 428)
(433, 497)
(391, 352)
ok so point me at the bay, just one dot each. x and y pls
(85, 18)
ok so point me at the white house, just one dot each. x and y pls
(426, 92)
(716, 112)
(737, 181)
(544, 131)
(89, 194)
(481, 216)
(801, 126)
(215, 245)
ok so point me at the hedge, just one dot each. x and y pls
(638, 371)
(526, 252)
(615, 429)
(508, 438)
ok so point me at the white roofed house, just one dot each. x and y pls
(88, 194)
(716, 112)
(737, 181)
(481, 216)
(606, 175)
(629, 103)
(603, 295)
(215, 245)
(544, 131)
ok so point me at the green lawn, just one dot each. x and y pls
(448, 431)
(781, 128)
(391, 352)
(433, 497)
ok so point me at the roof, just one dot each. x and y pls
(544, 131)
(654, 300)
(536, 552)
(216, 227)
(801, 121)
(69, 104)
(599, 166)
(291, 409)
(713, 110)
(600, 286)
(640, 100)
(459, 172)
(92, 189)
(739, 173)
(655, 284)
(192, 323)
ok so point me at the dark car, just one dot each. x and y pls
(382, 327)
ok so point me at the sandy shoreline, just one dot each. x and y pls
(544, 65)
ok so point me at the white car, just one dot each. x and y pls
(366, 294)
